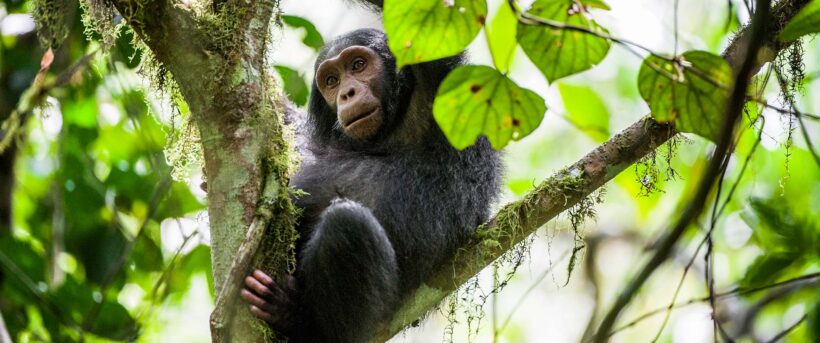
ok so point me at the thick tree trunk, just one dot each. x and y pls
(217, 59)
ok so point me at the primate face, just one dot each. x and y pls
(352, 85)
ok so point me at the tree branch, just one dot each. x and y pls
(808, 280)
(517, 220)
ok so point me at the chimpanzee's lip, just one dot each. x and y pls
(361, 116)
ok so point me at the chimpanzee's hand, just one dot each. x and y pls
(272, 301)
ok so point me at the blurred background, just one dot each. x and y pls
(102, 241)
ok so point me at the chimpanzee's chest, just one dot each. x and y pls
(395, 189)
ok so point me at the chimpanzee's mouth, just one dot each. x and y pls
(361, 116)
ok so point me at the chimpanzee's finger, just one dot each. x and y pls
(253, 299)
(263, 278)
(259, 313)
(261, 290)
(274, 286)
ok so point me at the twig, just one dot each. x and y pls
(165, 274)
(734, 292)
(792, 112)
(36, 94)
(696, 204)
(788, 330)
(530, 19)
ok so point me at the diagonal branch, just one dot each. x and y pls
(517, 220)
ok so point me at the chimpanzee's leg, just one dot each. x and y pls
(347, 275)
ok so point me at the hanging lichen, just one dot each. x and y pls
(183, 149)
(789, 68)
(98, 21)
(578, 215)
(649, 169)
(51, 18)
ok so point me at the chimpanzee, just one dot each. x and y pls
(389, 199)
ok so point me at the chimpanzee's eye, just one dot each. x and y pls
(331, 81)
(359, 64)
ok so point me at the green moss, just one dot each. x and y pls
(98, 21)
(52, 21)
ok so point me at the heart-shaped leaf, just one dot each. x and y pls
(563, 52)
(806, 21)
(427, 30)
(312, 36)
(478, 100)
(691, 94)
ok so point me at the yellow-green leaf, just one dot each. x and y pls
(563, 52)
(426, 30)
(501, 37)
(691, 95)
(586, 110)
(806, 21)
(479, 100)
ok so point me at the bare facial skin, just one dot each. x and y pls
(351, 83)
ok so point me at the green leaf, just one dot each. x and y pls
(779, 228)
(146, 254)
(562, 52)
(586, 111)
(596, 4)
(766, 269)
(114, 322)
(806, 21)
(814, 322)
(501, 37)
(198, 260)
(694, 97)
(76, 299)
(427, 30)
(82, 112)
(178, 202)
(295, 86)
(478, 100)
(312, 37)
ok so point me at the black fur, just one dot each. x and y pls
(382, 214)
